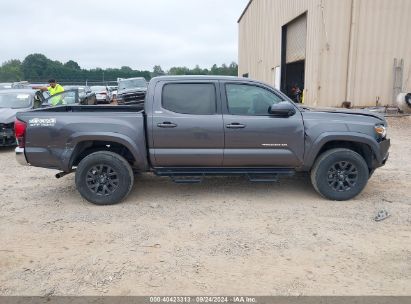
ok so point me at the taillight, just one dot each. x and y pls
(20, 131)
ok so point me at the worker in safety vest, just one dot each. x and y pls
(53, 88)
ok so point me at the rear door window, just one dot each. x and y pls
(190, 98)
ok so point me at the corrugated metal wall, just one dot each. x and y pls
(381, 33)
(343, 62)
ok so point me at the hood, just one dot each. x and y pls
(132, 90)
(344, 111)
(8, 115)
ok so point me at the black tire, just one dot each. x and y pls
(104, 178)
(408, 99)
(339, 174)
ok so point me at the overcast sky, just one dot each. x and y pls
(136, 33)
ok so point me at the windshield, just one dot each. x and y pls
(132, 83)
(15, 100)
(98, 88)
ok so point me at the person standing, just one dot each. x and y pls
(53, 88)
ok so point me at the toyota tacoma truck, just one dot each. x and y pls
(191, 127)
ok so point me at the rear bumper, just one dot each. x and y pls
(21, 157)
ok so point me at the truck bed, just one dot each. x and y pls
(53, 134)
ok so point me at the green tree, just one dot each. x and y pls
(38, 68)
(11, 71)
(34, 66)
(179, 71)
(157, 71)
(72, 65)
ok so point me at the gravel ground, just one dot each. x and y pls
(224, 236)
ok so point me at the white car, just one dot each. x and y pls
(103, 94)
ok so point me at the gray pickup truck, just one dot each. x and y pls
(191, 127)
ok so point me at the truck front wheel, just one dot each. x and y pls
(339, 174)
(104, 178)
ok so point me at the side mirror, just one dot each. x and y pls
(284, 109)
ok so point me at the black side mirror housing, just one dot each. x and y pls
(284, 109)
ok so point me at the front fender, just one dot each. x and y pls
(314, 148)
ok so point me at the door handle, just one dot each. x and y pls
(235, 125)
(166, 124)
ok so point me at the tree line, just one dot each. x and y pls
(39, 68)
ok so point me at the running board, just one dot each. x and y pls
(263, 178)
(195, 175)
(187, 179)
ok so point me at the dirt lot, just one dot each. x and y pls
(225, 236)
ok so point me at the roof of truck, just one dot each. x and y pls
(200, 77)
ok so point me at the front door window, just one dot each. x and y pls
(249, 100)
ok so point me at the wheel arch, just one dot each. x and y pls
(363, 144)
(85, 144)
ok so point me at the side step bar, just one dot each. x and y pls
(263, 178)
(187, 179)
(195, 175)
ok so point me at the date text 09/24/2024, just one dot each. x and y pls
(203, 299)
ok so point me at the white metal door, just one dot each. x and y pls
(296, 39)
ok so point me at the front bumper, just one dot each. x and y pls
(132, 97)
(384, 146)
(21, 157)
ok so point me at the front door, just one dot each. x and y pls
(69, 97)
(253, 137)
(187, 125)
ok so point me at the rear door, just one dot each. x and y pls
(187, 125)
(253, 137)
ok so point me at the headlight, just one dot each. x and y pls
(381, 131)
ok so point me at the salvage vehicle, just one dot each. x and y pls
(131, 90)
(5, 85)
(15, 85)
(86, 96)
(103, 94)
(13, 101)
(191, 127)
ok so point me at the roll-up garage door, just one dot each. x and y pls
(296, 39)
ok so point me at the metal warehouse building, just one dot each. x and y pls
(333, 50)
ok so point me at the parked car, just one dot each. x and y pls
(113, 88)
(131, 90)
(196, 126)
(15, 85)
(103, 94)
(13, 101)
(114, 92)
(86, 96)
(5, 85)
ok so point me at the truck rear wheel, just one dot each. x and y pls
(104, 178)
(339, 174)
